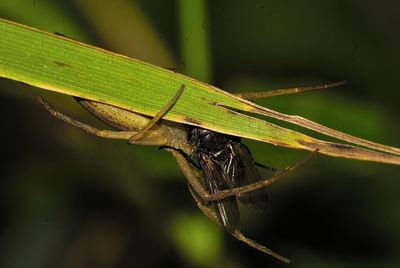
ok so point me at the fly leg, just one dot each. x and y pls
(286, 91)
(151, 137)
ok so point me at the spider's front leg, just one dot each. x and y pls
(200, 195)
(285, 91)
(193, 176)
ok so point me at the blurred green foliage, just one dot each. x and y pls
(69, 199)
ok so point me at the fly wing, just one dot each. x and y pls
(247, 173)
(216, 180)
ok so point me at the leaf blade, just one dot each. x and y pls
(66, 66)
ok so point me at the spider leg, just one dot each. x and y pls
(259, 184)
(137, 136)
(152, 137)
(285, 91)
(193, 177)
(235, 233)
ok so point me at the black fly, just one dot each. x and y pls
(227, 163)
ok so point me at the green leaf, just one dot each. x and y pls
(63, 65)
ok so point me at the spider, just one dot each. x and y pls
(225, 163)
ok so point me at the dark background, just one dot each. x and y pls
(69, 199)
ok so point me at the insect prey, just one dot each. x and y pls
(226, 163)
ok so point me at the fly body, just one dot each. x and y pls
(226, 163)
